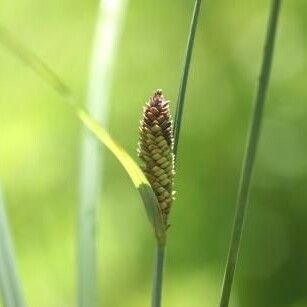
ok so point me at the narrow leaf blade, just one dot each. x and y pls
(185, 75)
(135, 173)
(133, 170)
(250, 154)
(91, 177)
(10, 284)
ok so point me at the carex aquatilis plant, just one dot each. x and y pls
(157, 150)
(154, 180)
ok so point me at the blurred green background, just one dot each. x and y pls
(40, 141)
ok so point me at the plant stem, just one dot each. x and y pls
(185, 75)
(158, 276)
(109, 25)
(10, 284)
(250, 154)
(160, 250)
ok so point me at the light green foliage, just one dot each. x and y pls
(39, 146)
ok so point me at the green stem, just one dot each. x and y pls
(158, 276)
(185, 75)
(250, 154)
(160, 253)
(92, 156)
(10, 283)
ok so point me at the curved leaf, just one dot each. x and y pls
(136, 174)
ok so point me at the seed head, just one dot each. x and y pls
(156, 150)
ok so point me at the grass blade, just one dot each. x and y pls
(134, 171)
(250, 154)
(185, 75)
(158, 276)
(9, 280)
(137, 176)
(108, 28)
(34, 62)
(7, 296)
(160, 254)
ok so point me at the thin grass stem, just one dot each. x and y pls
(108, 28)
(158, 276)
(160, 250)
(185, 75)
(10, 284)
(250, 154)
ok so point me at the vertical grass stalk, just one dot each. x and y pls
(160, 248)
(185, 75)
(108, 28)
(155, 149)
(10, 284)
(158, 276)
(250, 154)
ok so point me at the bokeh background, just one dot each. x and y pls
(40, 142)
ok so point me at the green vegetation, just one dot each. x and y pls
(40, 146)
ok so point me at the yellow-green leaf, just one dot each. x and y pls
(141, 183)
(137, 176)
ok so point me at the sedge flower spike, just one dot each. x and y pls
(156, 150)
